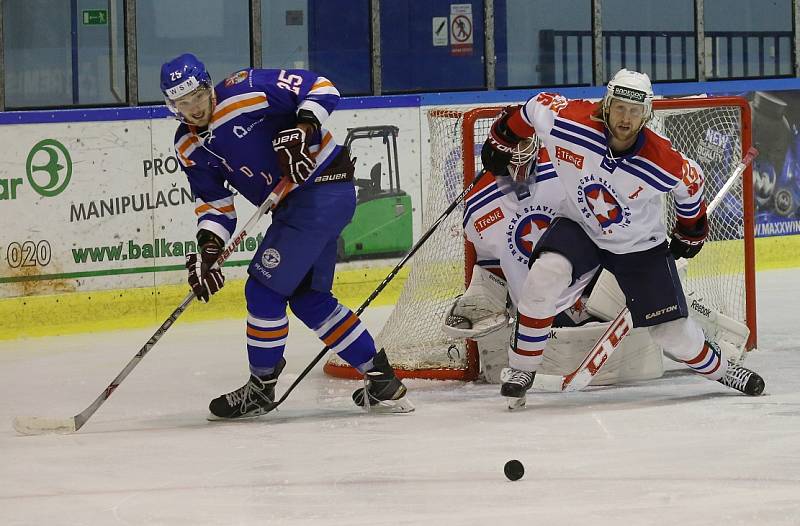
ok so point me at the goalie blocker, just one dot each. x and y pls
(481, 314)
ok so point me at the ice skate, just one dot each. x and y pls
(515, 386)
(253, 399)
(387, 394)
(742, 379)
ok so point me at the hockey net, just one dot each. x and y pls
(714, 131)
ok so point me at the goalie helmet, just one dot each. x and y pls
(182, 76)
(631, 87)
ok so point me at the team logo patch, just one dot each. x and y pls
(271, 258)
(603, 205)
(528, 231)
(236, 78)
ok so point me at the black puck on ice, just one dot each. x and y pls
(514, 470)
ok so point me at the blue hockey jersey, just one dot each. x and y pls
(235, 151)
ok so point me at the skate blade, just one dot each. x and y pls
(516, 403)
(211, 417)
(399, 406)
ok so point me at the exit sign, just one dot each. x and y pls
(95, 17)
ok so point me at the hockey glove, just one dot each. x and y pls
(686, 242)
(499, 146)
(205, 276)
(294, 157)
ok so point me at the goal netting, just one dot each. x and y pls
(715, 131)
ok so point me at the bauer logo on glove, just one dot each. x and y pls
(294, 157)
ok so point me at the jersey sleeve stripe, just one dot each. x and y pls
(478, 205)
(688, 213)
(314, 107)
(220, 207)
(584, 131)
(321, 82)
(578, 141)
(237, 105)
(488, 263)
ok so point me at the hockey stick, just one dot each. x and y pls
(33, 425)
(385, 282)
(623, 323)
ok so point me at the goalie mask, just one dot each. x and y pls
(187, 89)
(521, 158)
(631, 87)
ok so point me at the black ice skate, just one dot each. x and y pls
(253, 399)
(743, 380)
(515, 386)
(387, 394)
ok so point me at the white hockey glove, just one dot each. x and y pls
(481, 310)
(294, 157)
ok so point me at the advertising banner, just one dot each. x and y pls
(105, 205)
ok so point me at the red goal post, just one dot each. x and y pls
(714, 131)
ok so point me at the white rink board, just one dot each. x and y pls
(128, 203)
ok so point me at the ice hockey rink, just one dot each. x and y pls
(676, 451)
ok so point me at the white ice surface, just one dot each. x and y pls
(677, 451)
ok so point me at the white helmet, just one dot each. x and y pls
(630, 86)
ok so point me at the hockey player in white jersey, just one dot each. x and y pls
(614, 172)
(504, 217)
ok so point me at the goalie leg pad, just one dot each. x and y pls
(481, 310)
(637, 358)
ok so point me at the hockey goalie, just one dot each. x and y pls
(503, 219)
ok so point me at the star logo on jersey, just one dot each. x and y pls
(603, 205)
(529, 229)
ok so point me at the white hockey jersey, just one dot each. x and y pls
(504, 226)
(616, 200)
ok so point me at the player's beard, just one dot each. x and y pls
(624, 136)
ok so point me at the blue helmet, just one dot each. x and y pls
(183, 75)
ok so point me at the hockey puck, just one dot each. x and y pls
(514, 470)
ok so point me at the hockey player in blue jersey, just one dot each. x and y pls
(244, 134)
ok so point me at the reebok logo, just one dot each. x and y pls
(570, 157)
(487, 220)
(701, 309)
(629, 93)
(659, 312)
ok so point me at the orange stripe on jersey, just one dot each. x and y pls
(535, 323)
(278, 333)
(206, 207)
(322, 84)
(335, 335)
(244, 103)
(325, 140)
